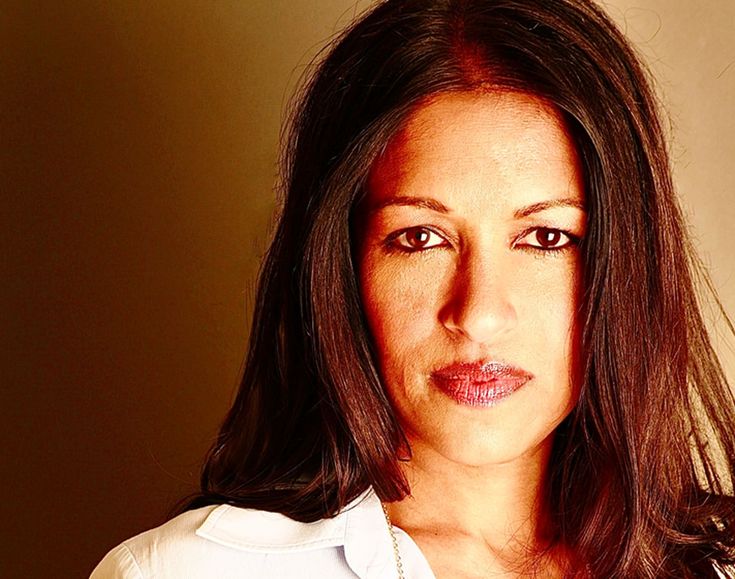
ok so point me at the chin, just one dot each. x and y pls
(480, 452)
(516, 429)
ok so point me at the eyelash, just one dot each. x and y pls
(393, 245)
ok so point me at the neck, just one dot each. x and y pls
(501, 506)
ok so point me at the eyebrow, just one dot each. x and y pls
(550, 204)
(434, 205)
(408, 201)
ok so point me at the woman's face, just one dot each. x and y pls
(469, 272)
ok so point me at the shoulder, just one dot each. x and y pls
(222, 541)
(171, 542)
(226, 541)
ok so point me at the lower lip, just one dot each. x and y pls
(484, 393)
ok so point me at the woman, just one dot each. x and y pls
(477, 349)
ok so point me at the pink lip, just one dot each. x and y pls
(479, 384)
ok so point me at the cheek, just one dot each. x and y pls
(399, 303)
(547, 309)
(564, 337)
(387, 301)
(552, 289)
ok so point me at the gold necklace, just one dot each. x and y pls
(396, 550)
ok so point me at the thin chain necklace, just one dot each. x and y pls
(396, 550)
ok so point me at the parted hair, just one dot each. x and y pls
(642, 470)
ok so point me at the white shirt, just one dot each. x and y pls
(227, 542)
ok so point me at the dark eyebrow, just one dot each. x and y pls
(543, 205)
(434, 205)
(407, 201)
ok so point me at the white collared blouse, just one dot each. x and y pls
(226, 542)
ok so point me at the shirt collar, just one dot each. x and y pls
(361, 529)
(368, 546)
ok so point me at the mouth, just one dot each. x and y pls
(480, 383)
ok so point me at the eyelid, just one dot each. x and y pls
(393, 238)
(571, 238)
(393, 241)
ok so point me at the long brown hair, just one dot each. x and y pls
(642, 471)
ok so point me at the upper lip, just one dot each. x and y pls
(480, 371)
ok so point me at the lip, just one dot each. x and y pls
(480, 383)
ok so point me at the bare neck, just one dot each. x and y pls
(499, 509)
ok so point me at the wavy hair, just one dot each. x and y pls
(642, 470)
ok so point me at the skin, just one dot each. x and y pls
(450, 271)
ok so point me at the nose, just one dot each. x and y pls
(478, 305)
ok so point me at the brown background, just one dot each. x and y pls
(138, 156)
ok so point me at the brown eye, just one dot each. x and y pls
(418, 238)
(548, 237)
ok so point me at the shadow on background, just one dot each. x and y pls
(139, 147)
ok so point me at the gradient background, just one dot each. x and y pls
(138, 154)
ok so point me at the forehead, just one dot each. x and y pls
(510, 139)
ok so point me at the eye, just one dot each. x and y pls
(547, 239)
(416, 239)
